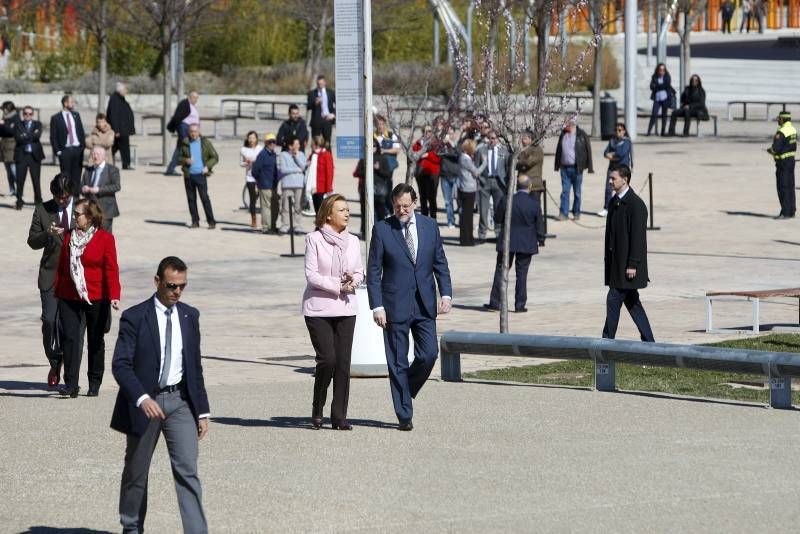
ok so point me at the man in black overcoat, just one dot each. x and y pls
(625, 255)
(120, 117)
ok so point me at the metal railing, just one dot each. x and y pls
(778, 367)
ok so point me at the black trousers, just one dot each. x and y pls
(197, 183)
(630, 297)
(332, 338)
(428, 187)
(252, 194)
(122, 144)
(688, 114)
(26, 163)
(96, 315)
(465, 235)
(323, 128)
(784, 178)
(317, 199)
(71, 163)
(523, 263)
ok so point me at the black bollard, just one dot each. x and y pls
(544, 211)
(291, 232)
(650, 189)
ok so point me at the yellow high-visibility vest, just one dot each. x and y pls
(790, 134)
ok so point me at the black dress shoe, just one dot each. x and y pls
(405, 426)
(72, 392)
(316, 423)
(520, 310)
(490, 307)
(342, 425)
(93, 392)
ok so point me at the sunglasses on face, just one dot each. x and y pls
(173, 287)
(26, 114)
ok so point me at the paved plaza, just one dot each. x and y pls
(483, 456)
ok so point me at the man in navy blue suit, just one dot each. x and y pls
(524, 242)
(161, 389)
(406, 264)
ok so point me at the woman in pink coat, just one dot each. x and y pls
(333, 272)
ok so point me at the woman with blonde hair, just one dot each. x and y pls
(333, 270)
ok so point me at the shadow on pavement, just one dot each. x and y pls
(470, 307)
(297, 368)
(293, 422)
(18, 385)
(749, 214)
(670, 396)
(787, 242)
(58, 530)
(168, 223)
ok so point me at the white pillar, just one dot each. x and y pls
(630, 68)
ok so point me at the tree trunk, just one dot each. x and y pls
(180, 82)
(597, 88)
(542, 33)
(512, 189)
(103, 70)
(103, 74)
(319, 48)
(488, 78)
(308, 66)
(165, 137)
(687, 56)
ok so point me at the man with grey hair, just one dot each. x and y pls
(573, 156)
(493, 161)
(101, 183)
(525, 239)
(120, 116)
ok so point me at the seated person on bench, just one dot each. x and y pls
(693, 104)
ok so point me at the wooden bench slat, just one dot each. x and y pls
(788, 292)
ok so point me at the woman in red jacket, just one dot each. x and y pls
(424, 151)
(87, 285)
(324, 171)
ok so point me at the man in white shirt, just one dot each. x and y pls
(157, 366)
(68, 141)
(321, 102)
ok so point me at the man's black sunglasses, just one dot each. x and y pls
(173, 287)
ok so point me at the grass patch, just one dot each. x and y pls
(659, 379)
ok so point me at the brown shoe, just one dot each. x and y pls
(253, 222)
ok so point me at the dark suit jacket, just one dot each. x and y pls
(181, 112)
(626, 242)
(40, 238)
(137, 363)
(316, 109)
(24, 136)
(502, 166)
(109, 184)
(58, 132)
(524, 222)
(393, 279)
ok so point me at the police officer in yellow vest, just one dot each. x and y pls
(784, 146)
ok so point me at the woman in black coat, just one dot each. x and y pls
(661, 93)
(693, 104)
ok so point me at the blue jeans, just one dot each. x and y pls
(448, 184)
(570, 178)
(183, 132)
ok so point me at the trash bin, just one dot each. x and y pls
(608, 117)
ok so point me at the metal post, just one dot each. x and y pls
(544, 211)
(630, 68)
(780, 392)
(650, 191)
(605, 374)
(650, 6)
(291, 231)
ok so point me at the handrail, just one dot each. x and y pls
(779, 367)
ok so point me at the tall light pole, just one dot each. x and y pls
(630, 68)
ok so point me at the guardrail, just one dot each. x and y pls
(778, 367)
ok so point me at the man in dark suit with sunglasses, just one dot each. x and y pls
(157, 366)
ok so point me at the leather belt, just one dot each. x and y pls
(171, 389)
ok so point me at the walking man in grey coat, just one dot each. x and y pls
(101, 182)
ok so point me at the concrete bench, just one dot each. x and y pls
(644, 115)
(213, 119)
(256, 103)
(753, 296)
(766, 103)
(778, 367)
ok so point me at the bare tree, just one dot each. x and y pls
(691, 10)
(507, 97)
(162, 23)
